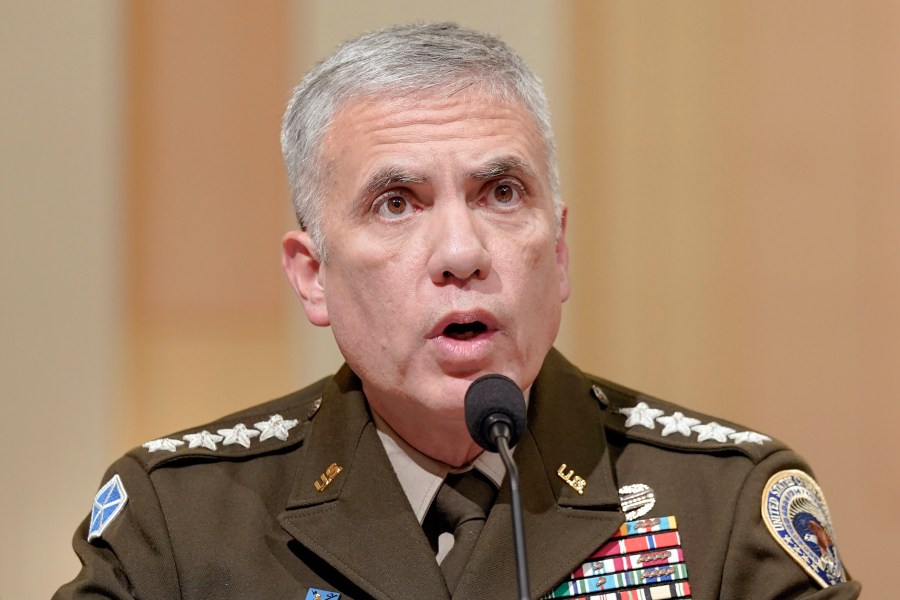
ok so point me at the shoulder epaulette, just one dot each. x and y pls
(654, 421)
(265, 428)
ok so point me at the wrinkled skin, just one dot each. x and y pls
(437, 212)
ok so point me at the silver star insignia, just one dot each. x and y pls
(712, 431)
(276, 426)
(163, 444)
(750, 437)
(641, 414)
(239, 434)
(677, 423)
(203, 439)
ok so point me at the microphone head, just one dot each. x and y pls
(492, 399)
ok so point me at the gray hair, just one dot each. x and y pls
(397, 61)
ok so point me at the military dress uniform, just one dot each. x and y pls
(624, 497)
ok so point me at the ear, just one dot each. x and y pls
(301, 263)
(562, 257)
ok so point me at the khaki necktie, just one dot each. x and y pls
(460, 507)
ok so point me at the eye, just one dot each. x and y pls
(504, 194)
(393, 206)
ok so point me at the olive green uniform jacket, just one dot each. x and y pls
(241, 523)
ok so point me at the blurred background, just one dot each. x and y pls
(732, 171)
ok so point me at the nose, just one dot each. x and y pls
(458, 252)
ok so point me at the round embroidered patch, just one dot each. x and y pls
(794, 510)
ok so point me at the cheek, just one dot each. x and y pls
(365, 291)
(360, 317)
(355, 298)
(532, 276)
(531, 262)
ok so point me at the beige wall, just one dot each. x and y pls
(735, 203)
(730, 168)
(205, 209)
(60, 303)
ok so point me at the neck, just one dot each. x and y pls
(438, 434)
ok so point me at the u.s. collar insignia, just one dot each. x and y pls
(108, 503)
(575, 482)
(794, 510)
(327, 477)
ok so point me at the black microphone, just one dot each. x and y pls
(495, 416)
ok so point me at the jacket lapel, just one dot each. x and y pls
(562, 527)
(360, 523)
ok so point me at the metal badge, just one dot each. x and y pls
(327, 477)
(575, 482)
(636, 500)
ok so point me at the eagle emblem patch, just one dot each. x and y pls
(794, 510)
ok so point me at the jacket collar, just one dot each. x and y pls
(562, 527)
(361, 522)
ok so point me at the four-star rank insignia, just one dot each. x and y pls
(108, 503)
(794, 510)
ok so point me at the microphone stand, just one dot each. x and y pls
(502, 441)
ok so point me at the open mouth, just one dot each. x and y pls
(464, 331)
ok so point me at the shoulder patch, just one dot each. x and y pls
(795, 512)
(317, 594)
(108, 503)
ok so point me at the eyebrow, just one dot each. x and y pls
(503, 165)
(390, 176)
(393, 175)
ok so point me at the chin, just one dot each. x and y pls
(449, 404)
(449, 401)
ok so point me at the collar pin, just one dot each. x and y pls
(327, 477)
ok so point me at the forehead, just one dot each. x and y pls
(431, 131)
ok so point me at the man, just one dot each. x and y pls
(424, 178)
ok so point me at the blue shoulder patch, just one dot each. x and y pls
(314, 594)
(794, 510)
(108, 503)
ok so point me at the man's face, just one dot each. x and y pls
(443, 258)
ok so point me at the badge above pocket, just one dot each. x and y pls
(642, 560)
